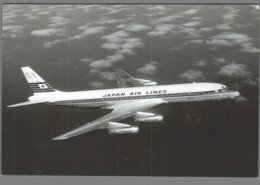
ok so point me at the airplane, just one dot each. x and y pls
(132, 98)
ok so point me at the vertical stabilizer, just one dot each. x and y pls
(37, 84)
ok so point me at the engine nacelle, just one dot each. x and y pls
(144, 117)
(127, 130)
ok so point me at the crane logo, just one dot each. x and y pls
(43, 86)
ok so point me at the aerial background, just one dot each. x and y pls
(76, 47)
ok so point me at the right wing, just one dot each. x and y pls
(126, 80)
(121, 111)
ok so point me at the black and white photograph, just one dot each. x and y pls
(130, 90)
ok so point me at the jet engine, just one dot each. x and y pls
(144, 117)
(126, 130)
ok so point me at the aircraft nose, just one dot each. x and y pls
(236, 94)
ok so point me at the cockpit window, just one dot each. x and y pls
(224, 88)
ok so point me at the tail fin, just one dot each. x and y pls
(37, 84)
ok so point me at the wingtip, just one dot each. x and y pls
(60, 138)
(14, 105)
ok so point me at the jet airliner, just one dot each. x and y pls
(132, 98)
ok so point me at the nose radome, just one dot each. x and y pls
(237, 94)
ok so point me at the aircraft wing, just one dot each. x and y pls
(121, 111)
(27, 103)
(126, 80)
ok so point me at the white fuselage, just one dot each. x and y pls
(192, 92)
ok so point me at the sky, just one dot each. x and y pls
(76, 47)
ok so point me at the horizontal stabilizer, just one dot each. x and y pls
(27, 103)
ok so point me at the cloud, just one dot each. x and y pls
(97, 85)
(121, 43)
(107, 75)
(58, 21)
(230, 15)
(165, 19)
(191, 75)
(85, 26)
(14, 31)
(113, 9)
(197, 41)
(220, 61)
(190, 12)
(48, 32)
(100, 64)
(218, 42)
(88, 31)
(129, 45)
(85, 33)
(8, 17)
(32, 17)
(197, 18)
(161, 30)
(118, 36)
(37, 9)
(94, 71)
(121, 26)
(234, 39)
(241, 99)
(58, 65)
(201, 63)
(223, 26)
(149, 68)
(106, 63)
(106, 20)
(248, 47)
(158, 7)
(164, 29)
(85, 8)
(234, 70)
(192, 24)
(111, 46)
(44, 12)
(250, 82)
(115, 58)
(206, 29)
(86, 60)
(136, 27)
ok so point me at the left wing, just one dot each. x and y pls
(121, 111)
(126, 80)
